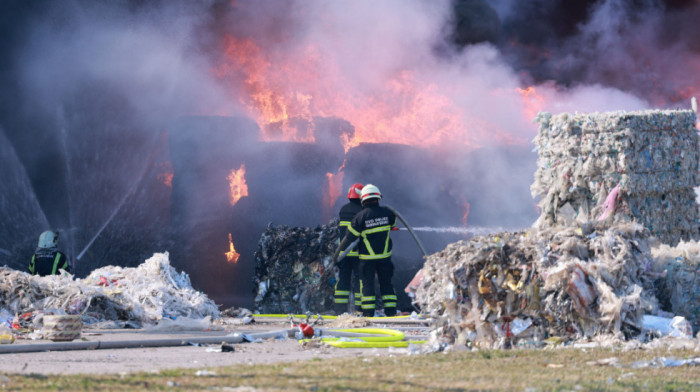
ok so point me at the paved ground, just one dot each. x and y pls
(202, 357)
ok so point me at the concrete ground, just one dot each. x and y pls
(153, 359)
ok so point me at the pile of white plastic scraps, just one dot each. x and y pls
(524, 287)
(640, 166)
(145, 294)
(679, 290)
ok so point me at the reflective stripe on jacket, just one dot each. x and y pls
(347, 212)
(373, 225)
(48, 263)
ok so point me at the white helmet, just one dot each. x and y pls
(370, 191)
(48, 239)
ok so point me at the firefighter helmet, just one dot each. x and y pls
(370, 191)
(48, 239)
(354, 191)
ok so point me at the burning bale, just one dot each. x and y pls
(289, 265)
(113, 295)
(523, 287)
(641, 165)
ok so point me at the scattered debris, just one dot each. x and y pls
(656, 362)
(498, 290)
(289, 269)
(679, 292)
(109, 297)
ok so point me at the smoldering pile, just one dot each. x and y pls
(523, 287)
(289, 269)
(642, 164)
(110, 295)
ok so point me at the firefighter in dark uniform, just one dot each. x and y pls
(349, 267)
(372, 226)
(47, 260)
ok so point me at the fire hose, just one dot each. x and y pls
(97, 345)
(405, 223)
(351, 338)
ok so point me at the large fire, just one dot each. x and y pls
(232, 256)
(237, 185)
(287, 88)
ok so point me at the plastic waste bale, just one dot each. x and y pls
(289, 269)
(620, 166)
(520, 288)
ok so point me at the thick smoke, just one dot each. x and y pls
(91, 87)
(646, 48)
(93, 93)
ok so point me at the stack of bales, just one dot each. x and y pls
(645, 163)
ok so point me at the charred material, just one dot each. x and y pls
(289, 269)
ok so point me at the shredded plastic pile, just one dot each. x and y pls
(643, 166)
(145, 294)
(524, 287)
(289, 269)
(679, 290)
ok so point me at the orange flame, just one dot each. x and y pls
(231, 256)
(331, 193)
(237, 185)
(466, 212)
(533, 102)
(166, 177)
(285, 88)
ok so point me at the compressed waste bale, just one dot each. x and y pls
(62, 328)
(519, 288)
(289, 269)
(127, 296)
(649, 159)
(679, 285)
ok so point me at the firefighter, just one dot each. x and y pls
(349, 267)
(372, 225)
(47, 260)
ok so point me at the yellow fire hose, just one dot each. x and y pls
(389, 338)
(328, 317)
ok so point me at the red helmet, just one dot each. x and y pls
(354, 191)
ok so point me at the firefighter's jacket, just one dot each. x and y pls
(373, 225)
(347, 212)
(48, 262)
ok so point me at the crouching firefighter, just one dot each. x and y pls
(47, 260)
(349, 267)
(372, 225)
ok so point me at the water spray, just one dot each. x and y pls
(408, 227)
(473, 230)
(116, 210)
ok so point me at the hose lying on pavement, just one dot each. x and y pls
(386, 338)
(100, 344)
